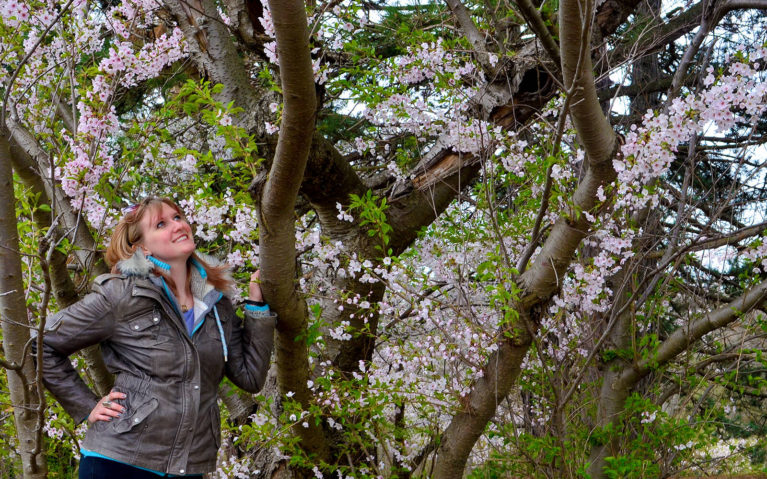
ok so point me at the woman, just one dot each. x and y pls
(169, 334)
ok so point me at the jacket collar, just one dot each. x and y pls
(137, 265)
(140, 267)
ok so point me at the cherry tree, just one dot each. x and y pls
(501, 237)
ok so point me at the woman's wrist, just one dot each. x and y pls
(254, 292)
(254, 289)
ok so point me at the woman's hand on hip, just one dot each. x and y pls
(254, 289)
(107, 408)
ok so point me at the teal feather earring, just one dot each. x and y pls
(160, 264)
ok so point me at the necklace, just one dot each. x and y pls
(184, 307)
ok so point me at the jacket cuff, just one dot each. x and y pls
(260, 314)
(256, 306)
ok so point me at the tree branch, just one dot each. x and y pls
(712, 243)
(594, 131)
(658, 35)
(709, 19)
(684, 336)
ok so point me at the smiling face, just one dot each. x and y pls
(166, 235)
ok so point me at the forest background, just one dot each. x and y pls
(504, 238)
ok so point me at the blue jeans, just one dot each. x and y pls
(98, 468)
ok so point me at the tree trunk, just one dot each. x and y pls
(277, 221)
(28, 402)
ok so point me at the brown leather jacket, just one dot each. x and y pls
(171, 422)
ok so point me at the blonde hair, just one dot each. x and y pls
(127, 237)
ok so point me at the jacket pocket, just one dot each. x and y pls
(146, 326)
(135, 416)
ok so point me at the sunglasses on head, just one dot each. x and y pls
(133, 207)
(130, 208)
